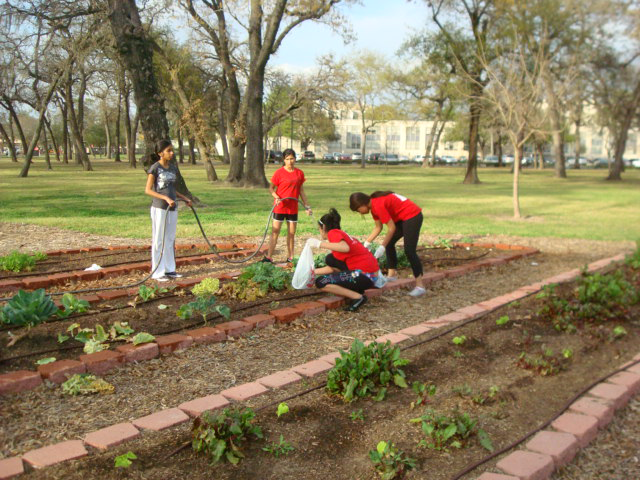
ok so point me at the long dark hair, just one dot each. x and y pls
(330, 221)
(287, 152)
(358, 199)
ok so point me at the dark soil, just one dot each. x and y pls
(147, 317)
(324, 435)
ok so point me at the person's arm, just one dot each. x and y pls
(303, 196)
(148, 189)
(391, 229)
(340, 246)
(272, 191)
(186, 200)
(375, 232)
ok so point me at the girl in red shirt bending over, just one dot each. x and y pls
(351, 268)
(286, 182)
(403, 218)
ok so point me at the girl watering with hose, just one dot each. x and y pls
(351, 268)
(286, 182)
(403, 218)
(161, 181)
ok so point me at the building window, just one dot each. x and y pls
(631, 144)
(596, 145)
(393, 139)
(355, 116)
(354, 140)
(413, 138)
(373, 140)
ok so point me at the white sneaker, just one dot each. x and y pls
(417, 292)
(172, 275)
(391, 279)
(161, 279)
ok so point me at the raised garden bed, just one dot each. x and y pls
(346, 450)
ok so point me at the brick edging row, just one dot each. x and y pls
(102, 362)
(45, 281)
(545, 452)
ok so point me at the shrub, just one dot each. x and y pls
(546, 364)
(28, 309)
(17, 262)
(220, 435)
(267, 276)
(366, 371)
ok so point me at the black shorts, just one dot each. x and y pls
(289, 217)
(351, 280)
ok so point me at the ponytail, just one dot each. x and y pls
(330, 221)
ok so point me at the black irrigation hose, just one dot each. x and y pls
(515, 443)
(178, 329)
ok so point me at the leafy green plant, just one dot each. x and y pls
(618, 332)
(459, 340)
(389, 462)
(203, 306)
(424, 391)
(357, 415)
(281, 448)
(282, 409)
(403, 260)
(18, 262)
(219, 435)
(95, 339)
(546, 364)
(246, 290)
(142, 337)
(453, 431)
(443, 243)
(147, 293)
(72, 305)
(44, 361)
(633, 260)
(267, 276)
(503, 320)
(207, 287)
(85, 384)
(27, 309)
(366, 371)
(124, 460)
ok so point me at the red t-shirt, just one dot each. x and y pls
(288, 184)
(358, 257)
(394, 207)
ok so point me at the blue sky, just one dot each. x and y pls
(380, 26)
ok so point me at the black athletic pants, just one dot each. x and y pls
(410, 230)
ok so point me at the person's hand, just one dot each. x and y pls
(379, 252)
(171, 202)
(187, 201)
(314, 243)
(367, 244)
(278, 200)
(308, 209)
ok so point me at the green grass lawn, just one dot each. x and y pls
(111, 200)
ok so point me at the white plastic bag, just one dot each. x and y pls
(381, 281)
(304, 277)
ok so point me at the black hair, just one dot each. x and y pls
(359, 199)
(287, 152)
(159, 146)
(380, 193)
(330, 221)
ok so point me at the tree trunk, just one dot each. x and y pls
(180, 152)
(78, 139)
(131, 152)
(254, 173)
(16, 121)
(429, 146)
(10, 145)
(47, 158)
(577, 146)
(516, 178)
(475, 110)
(14, 154)
(65, 133)
(192, 150)
(47, 124)
(436, 141)
(222, 131)
(117, 155)
(107, 132)
(363, 145)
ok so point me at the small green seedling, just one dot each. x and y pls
(457, 354)
(282, 409)
(281, 448)
(567, 353)
(390, 462)
(85, 384)
(423, 391)
(142, 337)
(44, 361)
(619, 332)
(124, 460)
(72, 305)
(459, 340)
(357, 415)
(503, 320)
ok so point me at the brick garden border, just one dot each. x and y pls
(102, 362)
(545, 452)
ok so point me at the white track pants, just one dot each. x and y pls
(168, 261)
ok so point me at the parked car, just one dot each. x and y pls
(527, 161)
(336, 157)
(629, 161)
(508, 159)
(570, 162)
(462, 159)
(273, 156)
(356, 157)
(389, 158)
(635, 163)
(490, 161)
(403, 159)
(419, 158)
(308, 156)
(327, 158)
(599, 162)
(344, 158)
(373, 157)
(448, 160)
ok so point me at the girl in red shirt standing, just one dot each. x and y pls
(351, 268)
(286, 182)
(403, 218)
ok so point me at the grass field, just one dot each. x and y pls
(111, 200)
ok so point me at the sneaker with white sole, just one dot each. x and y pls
(172, 275)
(417, 292)
(161, 279)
